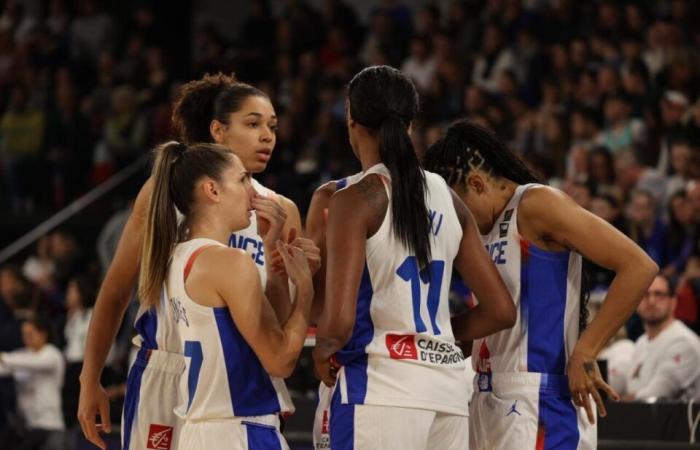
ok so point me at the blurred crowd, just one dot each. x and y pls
(602, 98)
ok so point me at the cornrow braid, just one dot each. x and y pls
(467, 147)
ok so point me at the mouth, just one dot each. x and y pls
(263, 155)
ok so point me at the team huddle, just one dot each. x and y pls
(229, 283)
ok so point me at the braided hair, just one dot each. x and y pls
(467, 146)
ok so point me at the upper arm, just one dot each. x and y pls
(346, 234)
(120, 278)
(555, 216)
(316, 231)
(316, 216)
(243, 295)
(473, 263)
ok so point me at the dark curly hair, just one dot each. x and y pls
(214, 96)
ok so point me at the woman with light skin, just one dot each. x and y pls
(216, 109)
(224, 324)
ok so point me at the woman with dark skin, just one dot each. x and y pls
(394, 225)
(536, 235)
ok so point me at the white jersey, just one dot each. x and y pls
(545, 287)
(402, 351)
(225, 378)
(666, 366)
(248, 238)
(156, 331)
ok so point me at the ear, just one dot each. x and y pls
(476, 183)
(211, 191)
(217, 131)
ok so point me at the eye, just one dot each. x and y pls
(273, 128)
(253, 125)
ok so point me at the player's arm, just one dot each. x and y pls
(110, 306)
(277, 346)
(349, 213)
(496, 310)
(556, 217)
(316, 231)
(679, 368)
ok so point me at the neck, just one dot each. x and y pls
(210, 229)
(368, 149)
(503, 190)
(653, 330)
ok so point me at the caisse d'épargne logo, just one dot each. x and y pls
(160, 437)
(420, 348)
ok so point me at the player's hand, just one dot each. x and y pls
(295, 264)
(271, 218)
(94, 401)
(310, 249)
(584, 381)
(324, 370)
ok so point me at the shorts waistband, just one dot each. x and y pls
(161, 360)
(506, 382)
(269, 420)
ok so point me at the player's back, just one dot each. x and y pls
(224, 377)
(402, 350)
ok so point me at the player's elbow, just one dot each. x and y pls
(281, 367)
(507, 315)
(504, 316)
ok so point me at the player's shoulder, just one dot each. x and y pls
(541, 201)
(327, 189)
(228, 260)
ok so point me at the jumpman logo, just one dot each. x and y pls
(513, 410)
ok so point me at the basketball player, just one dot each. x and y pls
(217, 109)
(316, 230)
(528, 376)
(226, 325)
(385, 325)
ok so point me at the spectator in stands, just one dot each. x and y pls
(39, 267)
(622, 133)
(666, 359)
(688, 295)
(680, 236)
(80, 297)
(420, 65)
(126, 131)
(646, 228)
(37, 369)
(21, 130)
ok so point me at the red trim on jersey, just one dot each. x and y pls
(194, 256)
(524, 250)
(539, 443)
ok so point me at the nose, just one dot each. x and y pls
(266, 134)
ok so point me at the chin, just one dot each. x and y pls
(256, 166)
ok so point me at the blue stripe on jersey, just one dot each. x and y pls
(543, 281)
(340, 184)
(252, 392)
(194, 351)
(132, 396)
(342, 423)
(262, 437)
(147, 327)
(557, 415)
(353, 356)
